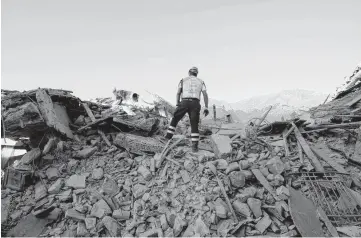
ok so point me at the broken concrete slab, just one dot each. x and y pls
(221, 146)
(76, 181)
(55, 214)
(46, 107)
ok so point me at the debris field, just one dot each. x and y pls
(91, 170)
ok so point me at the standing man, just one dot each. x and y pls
(190, 88)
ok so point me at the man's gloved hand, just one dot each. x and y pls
(206, 112)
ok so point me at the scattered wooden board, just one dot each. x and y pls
(320, 153)
(306, 148)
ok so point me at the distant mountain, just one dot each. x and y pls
(285, 104)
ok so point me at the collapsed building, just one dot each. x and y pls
(102, 168)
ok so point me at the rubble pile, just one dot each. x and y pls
(93, 170)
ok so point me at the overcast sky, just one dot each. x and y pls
(241, 47)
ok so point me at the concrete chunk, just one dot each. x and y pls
(52, 173)
(121, 215)
(221, 146)
(31, 156)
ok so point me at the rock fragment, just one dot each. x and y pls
(139, 190)
(81, 230)
(179, 225)
(263, 224)
(112, 226)
(52, 173)
(242, 209)
(221, 146)
(255, 206)
(147, 175)
(76, 181)
(100, 209)
(86, 152)
(163, 222)
(90, 223)
(75, 215)
(65, 196)
(98, 173)
(238, 179)
(275, 165)
(121, 215)
(56, 187)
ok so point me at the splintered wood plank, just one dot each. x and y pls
(306, 148)
(259, 176)
(285, 144)
(320, 152)
(304, 214)
(47, 110)
(92, 118)
(353, 101)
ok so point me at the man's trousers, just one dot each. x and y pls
(193, 108)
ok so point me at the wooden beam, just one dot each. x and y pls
(319, 152)
(330, 126)
(306, 148)
(353, 101)
(285, 144)
(259, 176)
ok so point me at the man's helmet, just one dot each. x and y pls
(194, 70)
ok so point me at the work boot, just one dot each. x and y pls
(194, 146)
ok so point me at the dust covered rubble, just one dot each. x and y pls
(82, 186)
